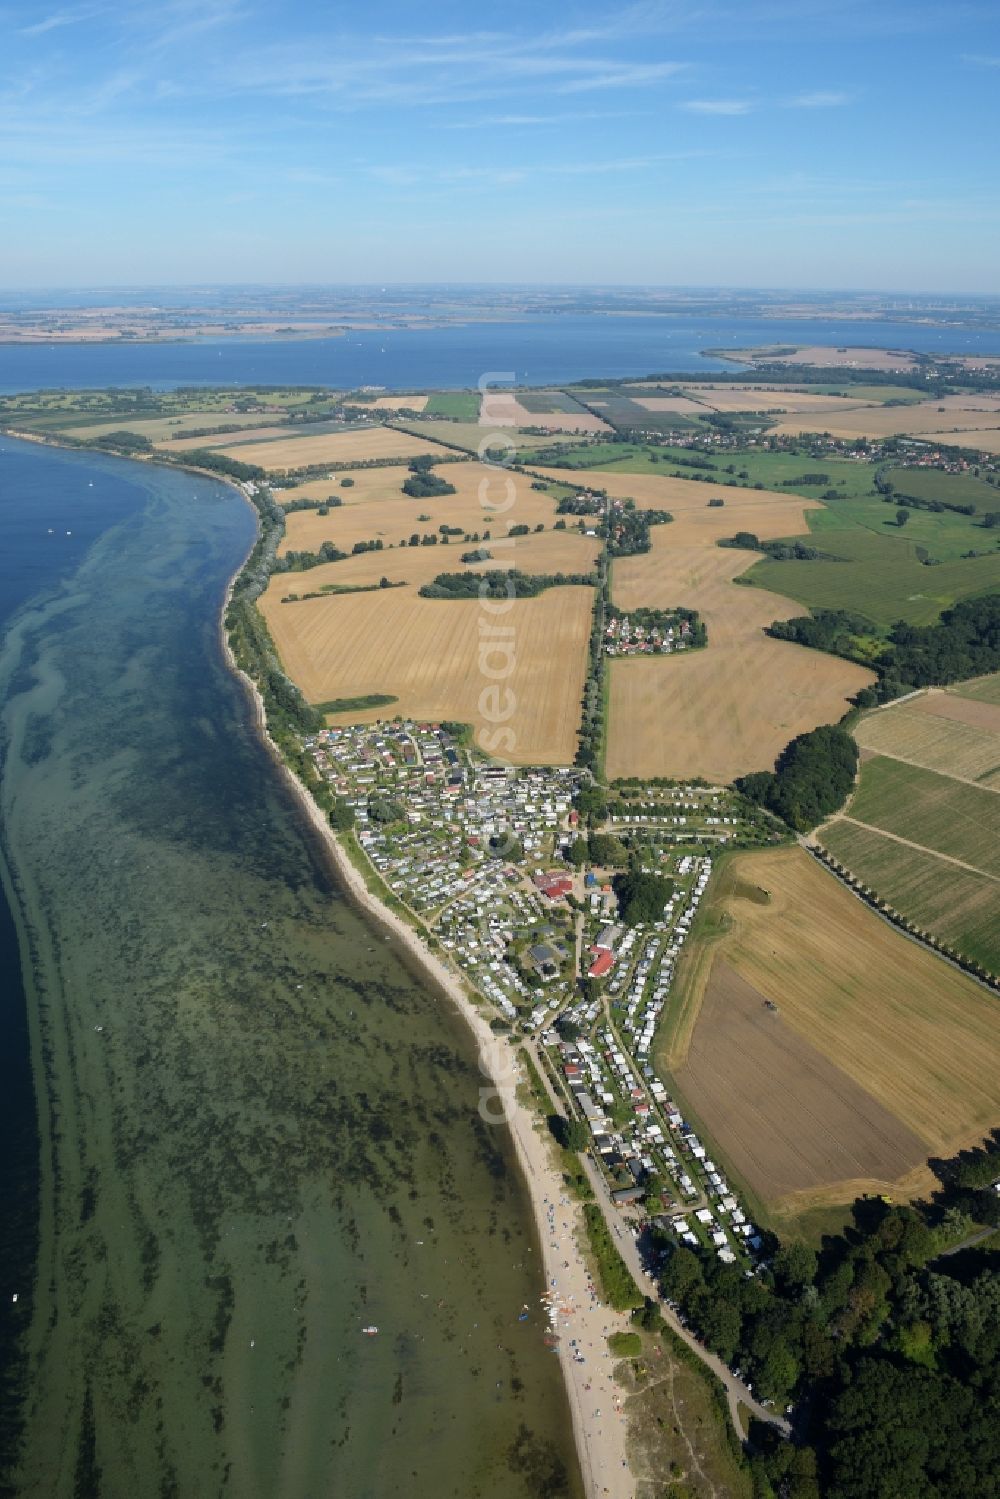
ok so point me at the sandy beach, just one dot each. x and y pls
(576, 1313)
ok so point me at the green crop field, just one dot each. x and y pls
(742, 468)
(983, 689)
(958, 906)
(878, 568)
(461, 405)
(941, 814)
(622, 412)
(950, 489)
(545, 402)
(876, 395)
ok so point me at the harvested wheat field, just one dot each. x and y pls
(473, 437)
(979, 689)
(428, 654)
(365, 484)
(400, 403)
(233, 439)
(924, 418)
(785, 1117)
(334, 448)
(732, 707)
(973, 400)
(375, 507)
(721, 398)
(914, 1034)
(941, 731)
(984, 441)
(160, 428)
(547, 552)
(683, 405)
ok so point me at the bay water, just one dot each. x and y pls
(532, 350)
(237, 1128)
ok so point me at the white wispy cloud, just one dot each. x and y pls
(559, 117)
(980, 60)
(820, 99)
(717, 106)
(57, 19)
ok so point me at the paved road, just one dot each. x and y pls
(736, 1391)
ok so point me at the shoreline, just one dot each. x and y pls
(601, 1451)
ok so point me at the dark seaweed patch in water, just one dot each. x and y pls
(87, 1477)
(36, 744)
(534, 1458)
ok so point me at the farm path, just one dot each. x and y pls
(951, 774)
(920, 847)
(692, 1454)
(736, 1390)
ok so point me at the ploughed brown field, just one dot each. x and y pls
(731, 708)
(781, 1112)
(913, 1034)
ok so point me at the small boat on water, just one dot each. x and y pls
(370, 1332)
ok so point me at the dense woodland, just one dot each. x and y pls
(778, 551)
(965, 642)
(811, 778)
(500, 584)
(889, 1348)
(423, 483)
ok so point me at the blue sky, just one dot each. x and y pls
(787, 143)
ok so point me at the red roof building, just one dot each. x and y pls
(601, 965)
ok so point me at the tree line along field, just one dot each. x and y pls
(922, 829)
(730, 708)
(879, 1055)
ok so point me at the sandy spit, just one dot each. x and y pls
(599, 1425)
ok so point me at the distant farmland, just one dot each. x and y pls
(923, 828)
(859, 1008)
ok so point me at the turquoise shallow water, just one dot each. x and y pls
(258, 1131)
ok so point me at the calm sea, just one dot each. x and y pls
(237, 1129)
(538, 350)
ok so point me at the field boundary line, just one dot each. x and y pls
(947, 775)
(922, 848)
(886, 912)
